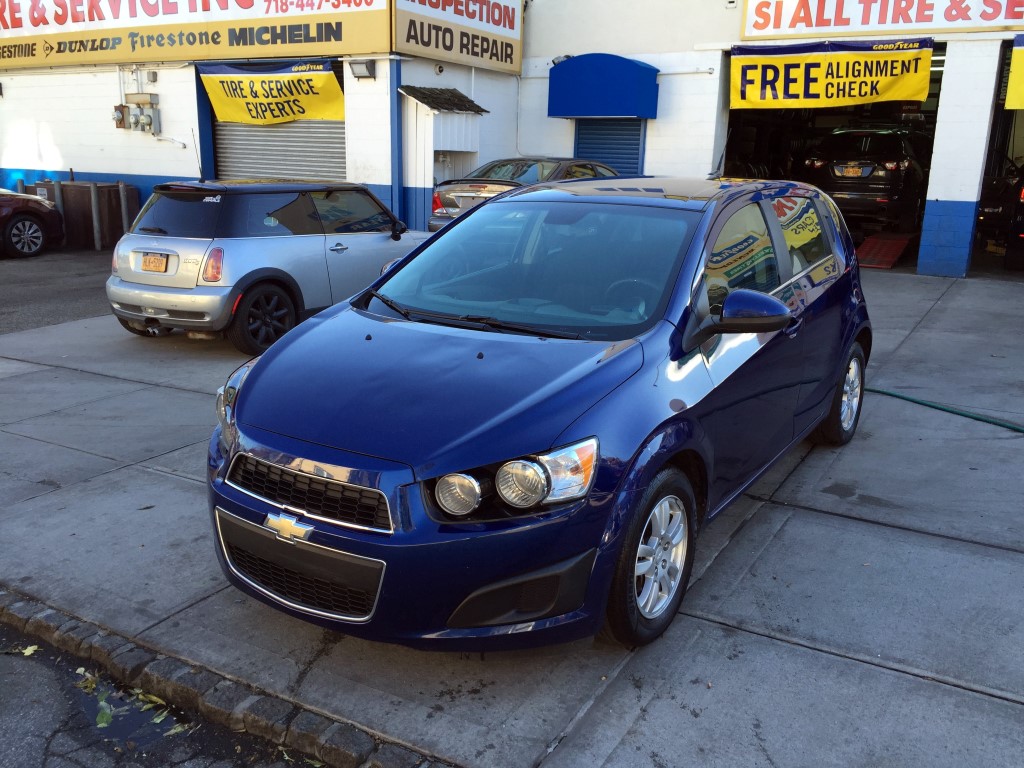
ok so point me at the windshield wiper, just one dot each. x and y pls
(503, 325)
(153, 230)
(390, 303)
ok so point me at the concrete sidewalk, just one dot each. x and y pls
(862, 606)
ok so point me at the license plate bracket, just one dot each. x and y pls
(154, 262)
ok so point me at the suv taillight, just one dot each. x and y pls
(814, 162)
(214, 268)
(902, 165)
(437, 206)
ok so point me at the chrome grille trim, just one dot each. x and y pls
(280, 598)
(383, 499)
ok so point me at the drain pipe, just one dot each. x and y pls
(122, 191)
(94, 200)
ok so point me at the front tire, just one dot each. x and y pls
(654, 565)
(839, 426)
(24, 237)
(265, 314)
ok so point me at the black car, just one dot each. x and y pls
(454, 197)
(28, 223)
(875, 175)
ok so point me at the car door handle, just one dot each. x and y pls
(338, 248)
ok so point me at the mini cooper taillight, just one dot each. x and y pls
(214, 269)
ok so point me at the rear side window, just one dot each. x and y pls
(277, 214)
(179, 214)
(801, 228)
(347, 211)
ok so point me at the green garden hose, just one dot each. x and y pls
(955, 411)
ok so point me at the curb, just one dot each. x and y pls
(208, 694)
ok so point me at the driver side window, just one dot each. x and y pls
(742, 257)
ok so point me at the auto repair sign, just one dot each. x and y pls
(833, 74)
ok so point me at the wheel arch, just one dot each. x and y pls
(269, 276)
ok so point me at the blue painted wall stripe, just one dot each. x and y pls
(947, 238)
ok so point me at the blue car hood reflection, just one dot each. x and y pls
(436, 398)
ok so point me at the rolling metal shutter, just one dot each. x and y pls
(618, 143)
(303, 149)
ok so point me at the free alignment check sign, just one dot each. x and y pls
(829, 74)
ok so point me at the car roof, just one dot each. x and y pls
(693, 194)
(238, 186)
(544, 159)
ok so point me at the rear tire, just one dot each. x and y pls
(24, 237)
(839, 426)
(150, 331)
(654, 565)
(264, 315)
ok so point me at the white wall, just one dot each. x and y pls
(368, 126)
(687, 137)
(557, 27)
(60, 119)
(495, 92)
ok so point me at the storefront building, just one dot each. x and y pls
(145, 91)
(662, 86)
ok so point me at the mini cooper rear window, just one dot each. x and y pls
(201, 215)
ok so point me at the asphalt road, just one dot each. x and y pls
(52, 288)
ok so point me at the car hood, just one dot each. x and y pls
(438, 399)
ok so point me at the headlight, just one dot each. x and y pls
(550, 478)
(522, 483)
(227, 398)
(458, 494)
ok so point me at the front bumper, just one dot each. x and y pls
(200, 308)
(424, 583)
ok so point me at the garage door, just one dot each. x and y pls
(618, 143)
(304, 149)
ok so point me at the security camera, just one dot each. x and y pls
(439, 69)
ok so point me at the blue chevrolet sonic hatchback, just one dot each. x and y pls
(516, 434)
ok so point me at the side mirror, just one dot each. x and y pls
(390, 264)
(744, 311)
(398, 228)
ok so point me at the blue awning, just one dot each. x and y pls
(602, 85)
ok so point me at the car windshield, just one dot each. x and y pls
(524, 171)
(598, 271)
(843, 145)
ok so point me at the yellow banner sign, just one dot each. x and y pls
(1015, 86)
(53, 33)
(287, 92)
(830, 74)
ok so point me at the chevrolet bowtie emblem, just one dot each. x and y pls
(287, 528)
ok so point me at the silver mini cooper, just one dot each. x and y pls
(249, 258)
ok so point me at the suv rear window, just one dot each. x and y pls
(842, 145)
(188, 214)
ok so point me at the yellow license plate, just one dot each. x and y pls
(853, 171)
(154, 262)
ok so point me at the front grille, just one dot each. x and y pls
(328, 499)
(305, 591)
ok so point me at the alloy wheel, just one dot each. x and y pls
(853, 386)
(660, 557)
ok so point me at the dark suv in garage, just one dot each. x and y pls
(875, 175)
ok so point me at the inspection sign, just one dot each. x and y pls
(833, 74)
